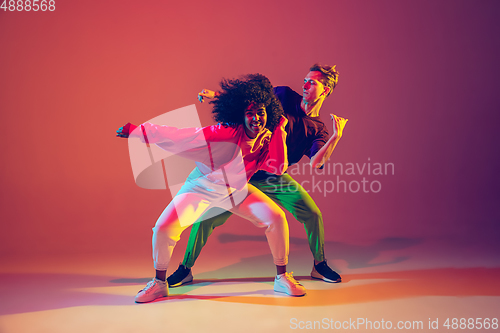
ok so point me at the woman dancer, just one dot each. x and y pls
(246, 110)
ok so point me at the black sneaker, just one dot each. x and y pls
(181, 276)
(323, 272)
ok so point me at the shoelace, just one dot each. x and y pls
(150, 284)
(291, 278)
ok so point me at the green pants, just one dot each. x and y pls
(287, 193)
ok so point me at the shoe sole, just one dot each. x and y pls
(285, 291)
(321, 277)
(154, 299)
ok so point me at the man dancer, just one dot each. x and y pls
(306, 135)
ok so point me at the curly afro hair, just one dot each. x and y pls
(236, 95)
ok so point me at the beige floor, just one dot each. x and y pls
(403, 281)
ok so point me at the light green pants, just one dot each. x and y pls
(287, 193)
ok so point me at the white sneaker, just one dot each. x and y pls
(285, 283)
(153, 290)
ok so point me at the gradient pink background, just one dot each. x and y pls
(418, 82)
